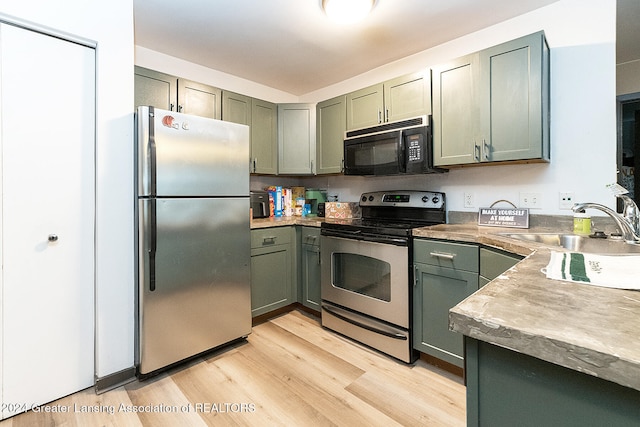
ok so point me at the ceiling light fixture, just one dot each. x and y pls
(347, 11)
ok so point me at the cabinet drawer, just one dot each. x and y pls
(494, 263)
(310, 236)
(270, 237)
(444, 254)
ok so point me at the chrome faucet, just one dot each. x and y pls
(628, 222)
(630, 213)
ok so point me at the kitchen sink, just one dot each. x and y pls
(578, 243)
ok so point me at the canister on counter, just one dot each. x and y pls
(581, 223)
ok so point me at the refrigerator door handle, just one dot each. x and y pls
(152, 153)
(153, 238)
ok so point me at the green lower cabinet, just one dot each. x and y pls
(310, 267)
(272, 270)
(506, 388)
(438, 289)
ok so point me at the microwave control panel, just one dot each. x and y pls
(415, 147)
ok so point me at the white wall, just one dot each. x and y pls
(110, 24)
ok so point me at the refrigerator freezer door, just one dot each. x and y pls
(190, 155)
(202, 280)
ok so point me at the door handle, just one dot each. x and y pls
(52, 238)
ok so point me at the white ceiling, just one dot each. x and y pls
(290, 45)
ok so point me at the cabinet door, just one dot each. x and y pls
(155, 89)
(331, 118)
(455, 113)
(236, 108)
(310, 261)
(199, 99)
(436, 291)
(407, 96)
(271, 278)
(513, 84)
(264, 141)
(296, 138)
(364, 107)
(47, 227)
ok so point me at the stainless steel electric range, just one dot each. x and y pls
(367, 269)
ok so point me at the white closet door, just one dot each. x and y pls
(47, 132)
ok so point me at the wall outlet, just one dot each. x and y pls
(531, 200)
(566, 200)
(469, 200)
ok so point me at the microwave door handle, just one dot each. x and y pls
(402, 157)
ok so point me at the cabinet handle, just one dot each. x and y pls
(476, 152)
(269, 240)
(485, 149)
(312, 167)
(442, 255)
(342, 166)
(255, 164)
(179, 108)
(379, 116)
(386, 113)
(415, 275)
(171, 106)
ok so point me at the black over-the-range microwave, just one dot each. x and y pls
(402, 147)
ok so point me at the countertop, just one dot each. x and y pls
(309, 221)
(586, 328)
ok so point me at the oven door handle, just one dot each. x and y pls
(358, 235)
(386, 332)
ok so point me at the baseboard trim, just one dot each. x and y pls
(115, 380)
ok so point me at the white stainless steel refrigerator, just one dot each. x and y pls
(193, 236)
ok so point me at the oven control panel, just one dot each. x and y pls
(409, 199)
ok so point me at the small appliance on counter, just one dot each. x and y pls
(315, 196)
(260, 204)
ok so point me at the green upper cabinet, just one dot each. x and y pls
(199, 99)
(515, 100)
(236, 108)
(296, 139)
(156, 89)
(493, 106)
(364, 107)
(455, 112)
(264, 139)
(407, 96)
(175, 94)
(331, 124)
(261, 116)
(400, 98)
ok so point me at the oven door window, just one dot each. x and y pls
(363, 275)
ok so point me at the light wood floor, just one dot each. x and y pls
(290, 372)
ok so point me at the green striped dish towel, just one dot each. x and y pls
(611, 271)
